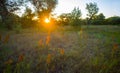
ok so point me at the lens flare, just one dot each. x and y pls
(47, 20)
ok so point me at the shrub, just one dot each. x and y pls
(17, 28)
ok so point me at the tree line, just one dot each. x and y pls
(93, 18)
(43, 9)
(8, 8)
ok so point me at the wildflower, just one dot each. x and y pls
(47, 40)
(6, 39)
(40, 43)
(20, 58)
(114, 49)
(10, 61)
(115, 46)
(48, 58)
(62, 51)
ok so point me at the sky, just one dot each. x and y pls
(107, 7)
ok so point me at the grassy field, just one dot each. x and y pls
(93, 49)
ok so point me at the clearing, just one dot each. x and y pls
(93, 49)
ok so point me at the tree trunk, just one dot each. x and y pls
(89, 20)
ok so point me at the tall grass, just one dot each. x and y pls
(98, 52)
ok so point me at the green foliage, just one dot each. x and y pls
(7, 7)
(10, 21)
(17, 28)
(72, 18)
(42, 8)
(75, 17)
(92, 11)
(76, 13)
(2, 27)
(26, 19)
(65, 18)
(100, 16)
(100, 56)
(115, 20)
(98, 19)
(76, 22)
(47, 5)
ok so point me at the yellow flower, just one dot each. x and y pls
(62, 51)
(49, 56)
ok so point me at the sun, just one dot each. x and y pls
(47, 20)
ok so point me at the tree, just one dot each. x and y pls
(6, 8)
(98, 19)
(65, 18)
(42, 7)
(115, 20)
(92, 11)
(72, 18)
(44, 4)
(75, 16)
(3, 11)
(100, 16)
(26, 19)
(76, 13)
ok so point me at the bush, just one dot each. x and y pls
(113, 20)
(17, 28)
(75, 22)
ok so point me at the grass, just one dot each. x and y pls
(93, 49)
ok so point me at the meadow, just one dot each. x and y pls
(86, 49)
